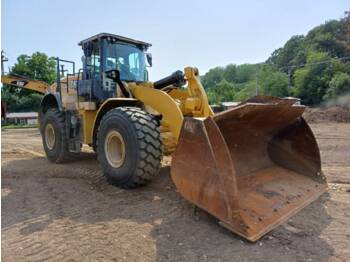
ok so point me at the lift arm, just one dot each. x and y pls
(25, 83)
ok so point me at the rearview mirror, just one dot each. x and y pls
(149, 58)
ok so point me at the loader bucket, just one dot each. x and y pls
(252, 167)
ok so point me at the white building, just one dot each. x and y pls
(22, 118)
(228, 105)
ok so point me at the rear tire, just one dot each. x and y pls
(129, 147)
(53, 133)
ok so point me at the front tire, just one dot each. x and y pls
(129, 147)
(53, 132)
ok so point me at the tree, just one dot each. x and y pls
(330, 37)
(312, 81)
(245, 72)
(230, 73)
(213, 77)
(311, 63)
(338, 86)
(38, 66)
(247, 90)
(224, 91)
(292, 53)
(273, 82)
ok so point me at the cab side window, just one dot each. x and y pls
(134, 64)
(93, 62)
(96, 65)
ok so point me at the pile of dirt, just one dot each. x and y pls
(327, 114)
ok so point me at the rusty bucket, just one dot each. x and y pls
(252, 167)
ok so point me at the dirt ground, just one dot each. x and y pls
(68, 212)
(328, 114)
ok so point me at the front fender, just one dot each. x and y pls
(91, 128)
(162, 103)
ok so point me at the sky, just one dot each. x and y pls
(183, 33)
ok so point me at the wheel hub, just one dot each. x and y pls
(114, 149)
(50, 137)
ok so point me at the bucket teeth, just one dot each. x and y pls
(252, 166)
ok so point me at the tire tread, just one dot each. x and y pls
(149, 142)
(64, 154)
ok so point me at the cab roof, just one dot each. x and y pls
(115, 37)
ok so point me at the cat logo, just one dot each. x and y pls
(19, 82)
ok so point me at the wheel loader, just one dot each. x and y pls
(252, 166)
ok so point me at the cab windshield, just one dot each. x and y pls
(128, 59)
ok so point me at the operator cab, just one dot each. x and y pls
(105, 53)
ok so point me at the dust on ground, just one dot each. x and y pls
(53, 212)
(327, 114)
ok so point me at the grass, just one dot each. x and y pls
(3, 127)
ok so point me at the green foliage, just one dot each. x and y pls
(273, 82)
(230, 73)
(213, 77)
(330, 37)
(247, 90)
(245, 73)
(20, 103)
(312, 77)
(223, 91)
(306, 66)
(38, 66)
(239, 82)
(338, 86)
(311, 82)
(292, 53)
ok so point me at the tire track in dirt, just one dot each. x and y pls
(59, 233)
(70, 213)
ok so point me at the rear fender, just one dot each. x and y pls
(50, 100)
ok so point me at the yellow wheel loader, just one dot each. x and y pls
(252, 166)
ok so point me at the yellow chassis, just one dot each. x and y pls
(173, 104)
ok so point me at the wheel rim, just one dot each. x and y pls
(114, 149)
(50, 137)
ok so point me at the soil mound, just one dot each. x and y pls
(329, 114)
